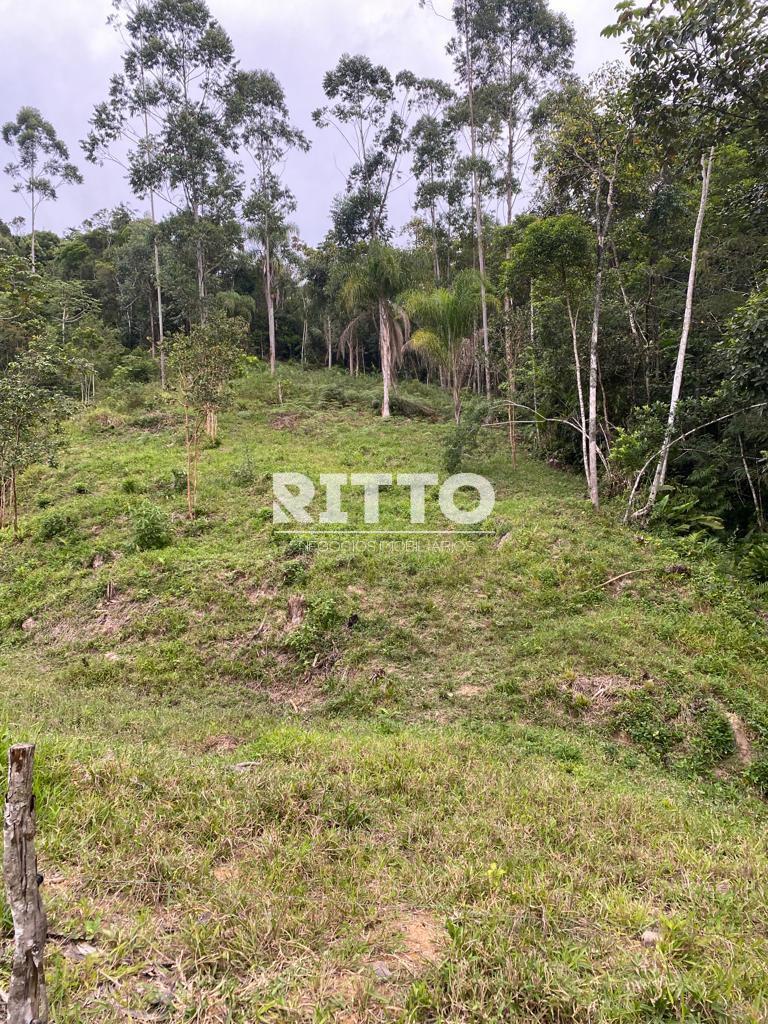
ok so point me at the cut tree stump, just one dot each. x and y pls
(27, 997)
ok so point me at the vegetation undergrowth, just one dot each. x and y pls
(513, 776)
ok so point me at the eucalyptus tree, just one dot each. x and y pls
(125, 117)
(370, 292)
(268, 136)
(699, 75)
(466, 48)
(526, 49)
(179, 79)
(446, 319)
(41, 164)
(370, 109)
(434, 156)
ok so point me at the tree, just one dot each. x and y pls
(446, 319)
(130, 100)
(467, 49)
(23, 295)
(559, 250)
(525, 48)
(205, 363)
(371, 289)
(268, 136)
(369, 108)
(180, 79)
(41, 165)
(699, 72)
(584, 133)
(320, 268)
(434, 151)
(31, 407)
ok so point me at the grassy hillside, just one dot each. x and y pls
(509, 777)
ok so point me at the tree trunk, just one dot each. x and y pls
(384, 344)
(477, 202)
(534, 370)
(329, 341)
(27, 996)
(160, 327)
(200, 264)
(155, 250)
(14, 502)
(270, 309)
(660, 477)
(188, 441)
(573, 320)
(33, 238)
(603, 227)
(435, 250)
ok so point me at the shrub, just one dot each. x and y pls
(334, 394)
(461, 440)
(399, 405)
(245, 474)
(151, 527)
(55, 524)
(754, 564)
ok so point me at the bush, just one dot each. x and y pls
(151, 527)
(399, 405)
(55, 524)
(462, 440)
(754, 564)
(757, 775)
(245, 474)
(334, 394)
(136, 368)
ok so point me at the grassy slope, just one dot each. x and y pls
(478, 776)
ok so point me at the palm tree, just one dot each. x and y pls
(447, 335)
(371, 288)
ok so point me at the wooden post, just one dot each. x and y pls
(27, 997)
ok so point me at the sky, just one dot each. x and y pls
(58, 55)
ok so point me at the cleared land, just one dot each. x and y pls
(281, 783)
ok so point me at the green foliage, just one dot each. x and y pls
(649, 720)
(462, 440)
(151, 527)
(754, 563)
(681, 512)
(207, 361)
(55, 525)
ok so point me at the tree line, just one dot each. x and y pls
(587, 257)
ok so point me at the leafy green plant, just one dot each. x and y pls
(55, 524)
(681, 513)
(462, 440)
(151, 527)
(754, 564)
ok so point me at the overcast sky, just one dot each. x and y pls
(58, 55)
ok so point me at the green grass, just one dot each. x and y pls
(475, 776)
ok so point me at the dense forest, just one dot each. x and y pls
(588, 256)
